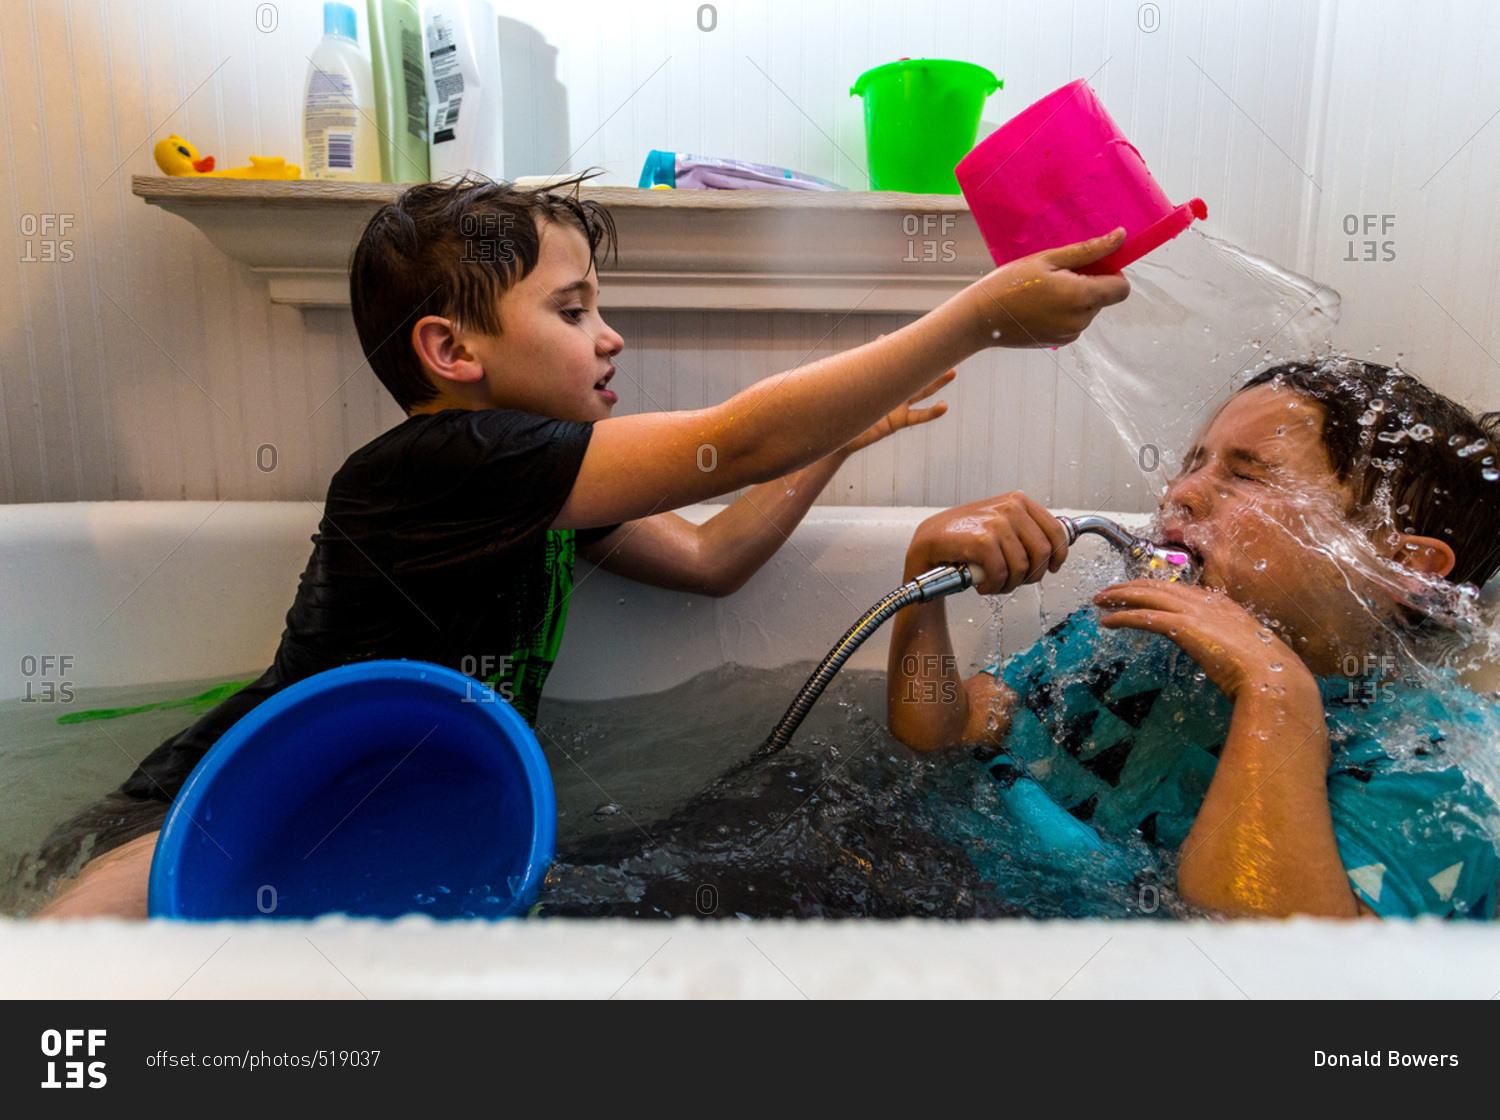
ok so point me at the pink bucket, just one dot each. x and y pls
(1061, 171)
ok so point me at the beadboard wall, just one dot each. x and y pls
(136, 361)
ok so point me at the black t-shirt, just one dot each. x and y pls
(434, 546)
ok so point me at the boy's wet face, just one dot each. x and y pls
(1258, 500)
(554, 353)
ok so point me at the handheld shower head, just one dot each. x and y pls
(1144, 558)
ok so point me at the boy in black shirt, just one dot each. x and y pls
(452, 537)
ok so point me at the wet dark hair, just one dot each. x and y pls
(1411, 455)
(453, 249)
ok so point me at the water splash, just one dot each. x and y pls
(1253, 313)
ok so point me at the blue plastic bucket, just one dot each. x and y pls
(378, 789)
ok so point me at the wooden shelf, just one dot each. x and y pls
(832, 251)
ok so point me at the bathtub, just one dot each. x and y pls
(145, 592)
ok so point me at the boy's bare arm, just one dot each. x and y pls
(639, 465)
(1263, 841)
(1014, 541)
(719, 555)
(929, 705)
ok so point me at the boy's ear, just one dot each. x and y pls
(1429, 556)
(441, 351)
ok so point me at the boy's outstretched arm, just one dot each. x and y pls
(639, 465)
(718, 556)
(1263, 841)
(928, 703)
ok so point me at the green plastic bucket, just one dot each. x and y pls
(921, 118)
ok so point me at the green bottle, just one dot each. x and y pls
(397, 58)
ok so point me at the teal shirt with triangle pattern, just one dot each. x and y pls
(1123, 731)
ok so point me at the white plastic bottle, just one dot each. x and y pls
(463, 88)
(339, 139)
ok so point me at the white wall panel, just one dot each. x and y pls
(1414, 133)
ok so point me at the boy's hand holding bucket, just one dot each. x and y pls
(1044, 299)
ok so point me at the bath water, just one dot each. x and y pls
(657, 814)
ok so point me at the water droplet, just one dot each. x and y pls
(994, 334)
(608, 809)
(425, 899)
(1455, 440)
(1368, 417)
(1172, 630)
(1265, 636)
(1275, 666)
(1473, 449)
(1489, 474)
(1200, 676)
(1422, 433)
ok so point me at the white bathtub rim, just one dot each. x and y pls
(340, 958)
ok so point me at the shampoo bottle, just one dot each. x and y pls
(399, 64)
(463, 88)
(339, 139)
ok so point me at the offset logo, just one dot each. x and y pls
(74, 1046)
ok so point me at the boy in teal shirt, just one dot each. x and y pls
(452, 537)
(1300, 758)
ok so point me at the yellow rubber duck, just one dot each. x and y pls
(175, 156)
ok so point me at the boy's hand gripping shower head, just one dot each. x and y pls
(1143, 558)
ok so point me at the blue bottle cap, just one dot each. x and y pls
(338, 19)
